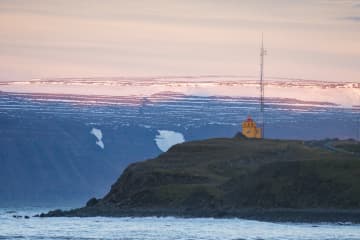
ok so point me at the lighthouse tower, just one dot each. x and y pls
(250, 130)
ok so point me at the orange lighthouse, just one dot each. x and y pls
(250, 130)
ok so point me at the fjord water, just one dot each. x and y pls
(163, 228)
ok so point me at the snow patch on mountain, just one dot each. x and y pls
(98, 134)
(345, 94)
(166, 139)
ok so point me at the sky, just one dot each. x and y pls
(309, 39)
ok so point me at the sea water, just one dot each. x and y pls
(163, 228)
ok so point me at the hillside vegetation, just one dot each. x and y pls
(227, 175)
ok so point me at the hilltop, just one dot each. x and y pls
(228, 177)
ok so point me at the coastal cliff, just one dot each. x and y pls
(239, 177)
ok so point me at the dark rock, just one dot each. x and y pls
(92, 202)
(239, 135)
(54, 213)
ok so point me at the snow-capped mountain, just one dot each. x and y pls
(345, 94)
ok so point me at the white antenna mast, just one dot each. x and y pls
(263, 52)
(358, 128)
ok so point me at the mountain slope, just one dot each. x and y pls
(49, 156)
(56, 161)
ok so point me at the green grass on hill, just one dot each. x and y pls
(237, 173)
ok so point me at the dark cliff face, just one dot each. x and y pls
(220, 174)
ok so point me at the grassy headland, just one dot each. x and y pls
(228, 177)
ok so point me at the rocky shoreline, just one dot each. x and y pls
(342, 216)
